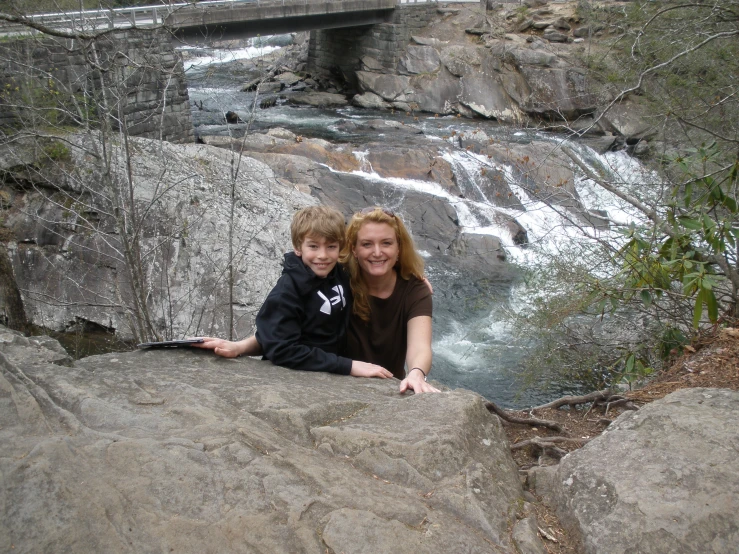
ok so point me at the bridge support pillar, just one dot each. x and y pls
(134, 76)
(340, 50)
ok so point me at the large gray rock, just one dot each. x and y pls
(161, 451)
(69, 260)
(318, 99)
(419, 59)
(630, 118)
(664, 479)
(558, 92)
(389, 87)
(369, 100)
(438, 93)
(484, 93)
(460, 59)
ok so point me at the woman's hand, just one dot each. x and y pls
(418, 356)
(414, 381)
(363, 369)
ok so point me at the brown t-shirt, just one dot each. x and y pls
(383, 339)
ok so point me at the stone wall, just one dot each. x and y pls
(134, 76)
(340, 50)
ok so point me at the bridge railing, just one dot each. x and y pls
(146, 16)
(140, 16)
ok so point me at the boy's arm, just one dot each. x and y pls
(230, 349)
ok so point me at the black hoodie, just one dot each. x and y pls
(302, 323)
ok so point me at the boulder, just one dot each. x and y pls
(662, 479)
(179, 450)
(585, 31)
(389, 87)
(484, 93)
(318, 99)
(392, 126)
(558, 92)
(369, 100)
(421, 164)
(263, 86)
(521, 56)
(487, 247)
(287, 78)
(460, 59)
(630, 119)
(370, 64)
(428, 41)
(419, 59)
(436, 93)
(561, 24)
(552, 35)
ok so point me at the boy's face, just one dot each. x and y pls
(319, 254)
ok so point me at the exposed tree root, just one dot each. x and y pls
(547, 445)
(544, 445)
(503, 414)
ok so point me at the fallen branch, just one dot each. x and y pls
(505, 415)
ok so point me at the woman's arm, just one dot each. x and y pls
(418, 355)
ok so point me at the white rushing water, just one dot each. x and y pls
(224, 56)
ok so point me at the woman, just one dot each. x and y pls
(391, 319)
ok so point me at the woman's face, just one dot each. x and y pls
(376, 249)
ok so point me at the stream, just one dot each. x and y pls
(474, 344)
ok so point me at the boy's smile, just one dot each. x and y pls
(319, 254)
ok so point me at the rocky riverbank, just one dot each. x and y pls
(521, 65)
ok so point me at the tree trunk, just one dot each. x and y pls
(11, 303)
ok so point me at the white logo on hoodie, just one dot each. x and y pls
(327, 303)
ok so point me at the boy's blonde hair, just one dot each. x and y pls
(321, 222)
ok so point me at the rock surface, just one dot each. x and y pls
(160, 451)
(67, 254)
(662, 479)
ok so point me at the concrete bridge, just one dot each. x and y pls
(153, 90)
(222, 18)
(270, 17)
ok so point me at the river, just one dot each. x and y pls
(474, 344)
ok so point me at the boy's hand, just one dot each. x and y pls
(363, 369)
(221, 347)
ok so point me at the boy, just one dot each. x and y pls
(302, 323)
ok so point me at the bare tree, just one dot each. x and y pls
(119, 214)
